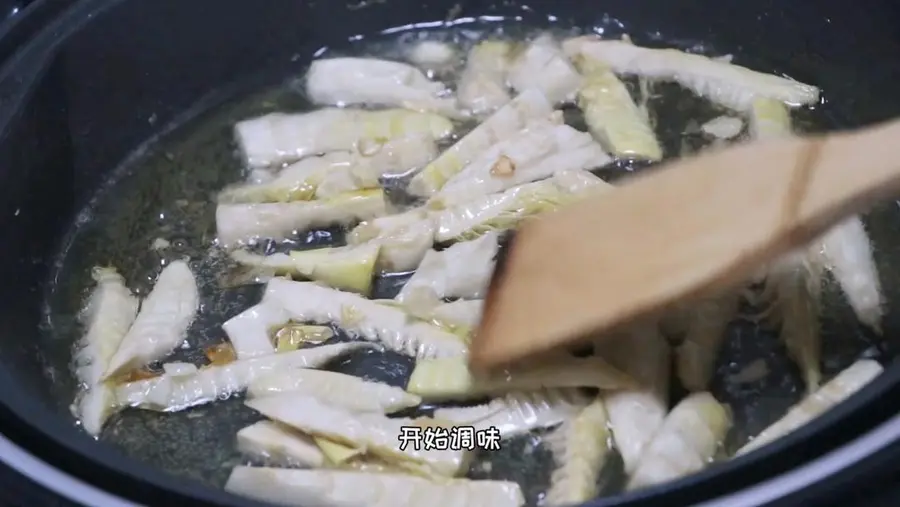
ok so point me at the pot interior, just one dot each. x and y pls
(166, 160)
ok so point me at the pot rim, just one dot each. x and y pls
(778, 487)
(70, 482)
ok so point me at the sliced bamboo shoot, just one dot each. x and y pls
(723, 83)
(580, 448)
(349, 268)
(379, 435)
(337, 454)
(612, 116)
(171, 393)
(497, 212)
(296, 182)
(347, 391)
(695, 358)
(539, 151)
(461, 271)
(382, 158)
(686, 442)
(292, 336)
(179, 369)
(505, 210)
(458, 317)
(375, 82)
(319, 488)
(373, 465)
(725, 127)
(847, 253)
(482, 84)
(162, 322)
(466, 416)
(636, 414)
(769, 118)
(405, 238)
(450, 378)
(519, 412)
(260, 175)
(433, 55)
(237, 223)
(543, 66)
(796, 279)
(511, 118)
(337, 172)
(838, 389)
(249, 330)
(279, 445)
(279, 138)
(107, 316)
(797, 283)
(308, 302)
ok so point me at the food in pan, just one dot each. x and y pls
(480, 145)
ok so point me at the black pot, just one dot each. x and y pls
(84, 84)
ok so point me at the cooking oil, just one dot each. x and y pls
(161, 207)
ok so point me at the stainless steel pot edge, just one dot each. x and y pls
(826, 466)
(761, 494)
(56, 480)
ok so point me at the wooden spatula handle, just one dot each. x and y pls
(697, 225)
(840, 175)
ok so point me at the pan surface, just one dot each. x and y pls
(165, 190)
(168, 193)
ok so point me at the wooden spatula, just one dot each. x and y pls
(693, 227)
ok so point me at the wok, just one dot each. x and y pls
(94, 95)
